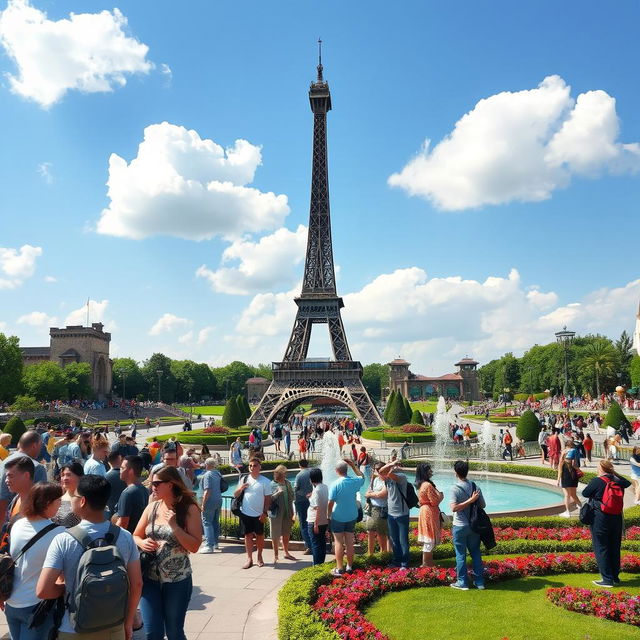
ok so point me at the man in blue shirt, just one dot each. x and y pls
(342, 512)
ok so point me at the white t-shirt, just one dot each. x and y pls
(254, 495)
(318, 501)
(29, 566)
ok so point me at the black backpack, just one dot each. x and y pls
(480, 523)
(411, 499)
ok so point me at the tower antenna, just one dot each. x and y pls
(320, 79)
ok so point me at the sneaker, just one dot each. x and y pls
(480, 587)
(336, 572)
(602, 583)
(307, 552)
(348, 570)
(217, 550)
(565, 514)
(205, 549)
(457, 585)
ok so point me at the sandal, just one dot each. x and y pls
(260, 562)
(248, 564)
(288, 556)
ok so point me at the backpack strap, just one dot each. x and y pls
(86, 541)
(36, 537)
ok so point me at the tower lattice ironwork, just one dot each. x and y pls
(296, 378)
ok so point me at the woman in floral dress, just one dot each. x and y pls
(429, 525)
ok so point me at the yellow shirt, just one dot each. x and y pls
(3, 453)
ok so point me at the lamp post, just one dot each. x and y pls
(159, 372)
(565, 338)
(123, 375)
(506, 392)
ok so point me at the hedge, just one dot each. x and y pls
(16, 428)
(615, 418)
(528, 427)
(393, 434)
(199, 437)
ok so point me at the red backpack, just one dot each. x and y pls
(612, 498)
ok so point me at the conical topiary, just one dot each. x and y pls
(615, 418)
(528, 426)
(241, 406)
(16, 428)
(232, 417)
(247, 408)
(407, 410)
(390, 400)
(416, 417)
(397, 415)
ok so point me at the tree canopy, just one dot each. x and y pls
(10, 368)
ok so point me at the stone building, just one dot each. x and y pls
(462, 384)
(78, 344)
(256, 388)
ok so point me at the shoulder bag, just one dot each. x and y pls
(236, 503)
(147, 558)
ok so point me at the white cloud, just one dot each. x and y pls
(44, 169)
(38, 319)
(89, 52)
(186, 338)
(168, 322)
(185, 186)
(433, 322)
(203, 334)
(50, 279)
(16, 265)
(97, 313)
(520, 146)
(263, 265)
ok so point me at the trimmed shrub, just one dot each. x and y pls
(528, 426)
(232, 417)
(247, 408)
(616, 418)
(387, 409)
(416, 417)
(16, 428)
(520, 397)
(407, 411)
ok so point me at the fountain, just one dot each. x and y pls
(330, 454)
(489, 440)
(441, 432)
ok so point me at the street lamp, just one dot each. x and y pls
(506, 392)
(565, 338)
(159, 372)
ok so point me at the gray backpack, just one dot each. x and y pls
(102, 583)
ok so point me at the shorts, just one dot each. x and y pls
(249, 524)
(376, 522)
(428, 546)
(335, 526)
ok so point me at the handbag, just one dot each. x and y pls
(579, 473)
(147, 558)
(587, 515)
(236, 503)
(444, 519)
(360, 513)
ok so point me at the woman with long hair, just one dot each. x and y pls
(568, 480)
(169, 529)
(39, 507)
(429, 526)
(606, 529)
(70, 475)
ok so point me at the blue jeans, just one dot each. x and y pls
(463, 539)
(211, 525)
(318, 542)
(18, 621)
(399, 536)
(302, 506)
(164, 607)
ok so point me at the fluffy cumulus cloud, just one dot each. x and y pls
(97, 312)
(38, 319)
(435, 321)
(262, 265)
(167, 323)
(520, 146)
(17, 265)
(90, 52)
(182, 185)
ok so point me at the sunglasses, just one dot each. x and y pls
(157, 483)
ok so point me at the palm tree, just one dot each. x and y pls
(601, 355)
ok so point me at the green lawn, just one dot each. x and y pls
(513, 609)
(429, 406)
(207, 410)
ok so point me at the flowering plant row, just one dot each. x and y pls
(619, 606)
(339, 603)
(215, 429)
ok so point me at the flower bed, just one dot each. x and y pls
(216, 429)
(619, 606)
(339, 603)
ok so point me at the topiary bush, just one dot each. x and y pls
(387, 409)
(416, 417)
(16, 428)
(616, 418)
(528, 426)
(232, 417)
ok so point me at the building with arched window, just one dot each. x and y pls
(463, 384)
(78, 344)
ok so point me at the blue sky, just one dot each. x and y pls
(520, 216)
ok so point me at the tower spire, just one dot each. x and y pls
(320, 78)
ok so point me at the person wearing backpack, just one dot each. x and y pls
(606, 494)
(31, 536)
(464, 538)
(101, 568)
(401, 497)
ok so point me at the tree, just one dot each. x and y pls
(159, 362)
(528, 426)
(263, 371)
(10, 368)
(16, 428)
(407, 410)
(25, 403)
(375, 377)
(624, 351)
(232, 417)
(416, 417)
(134, 382)
(77, 377)
(390, 399)
(600, 357)
(45, 381)
(615, 418)
(232, 378)
(634, 371)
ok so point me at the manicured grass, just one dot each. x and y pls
(395, 434)
(514, 609)
(207, 410)
(429, 406)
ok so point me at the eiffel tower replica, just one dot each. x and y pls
(296, 378)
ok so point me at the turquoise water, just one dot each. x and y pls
(500, 494)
